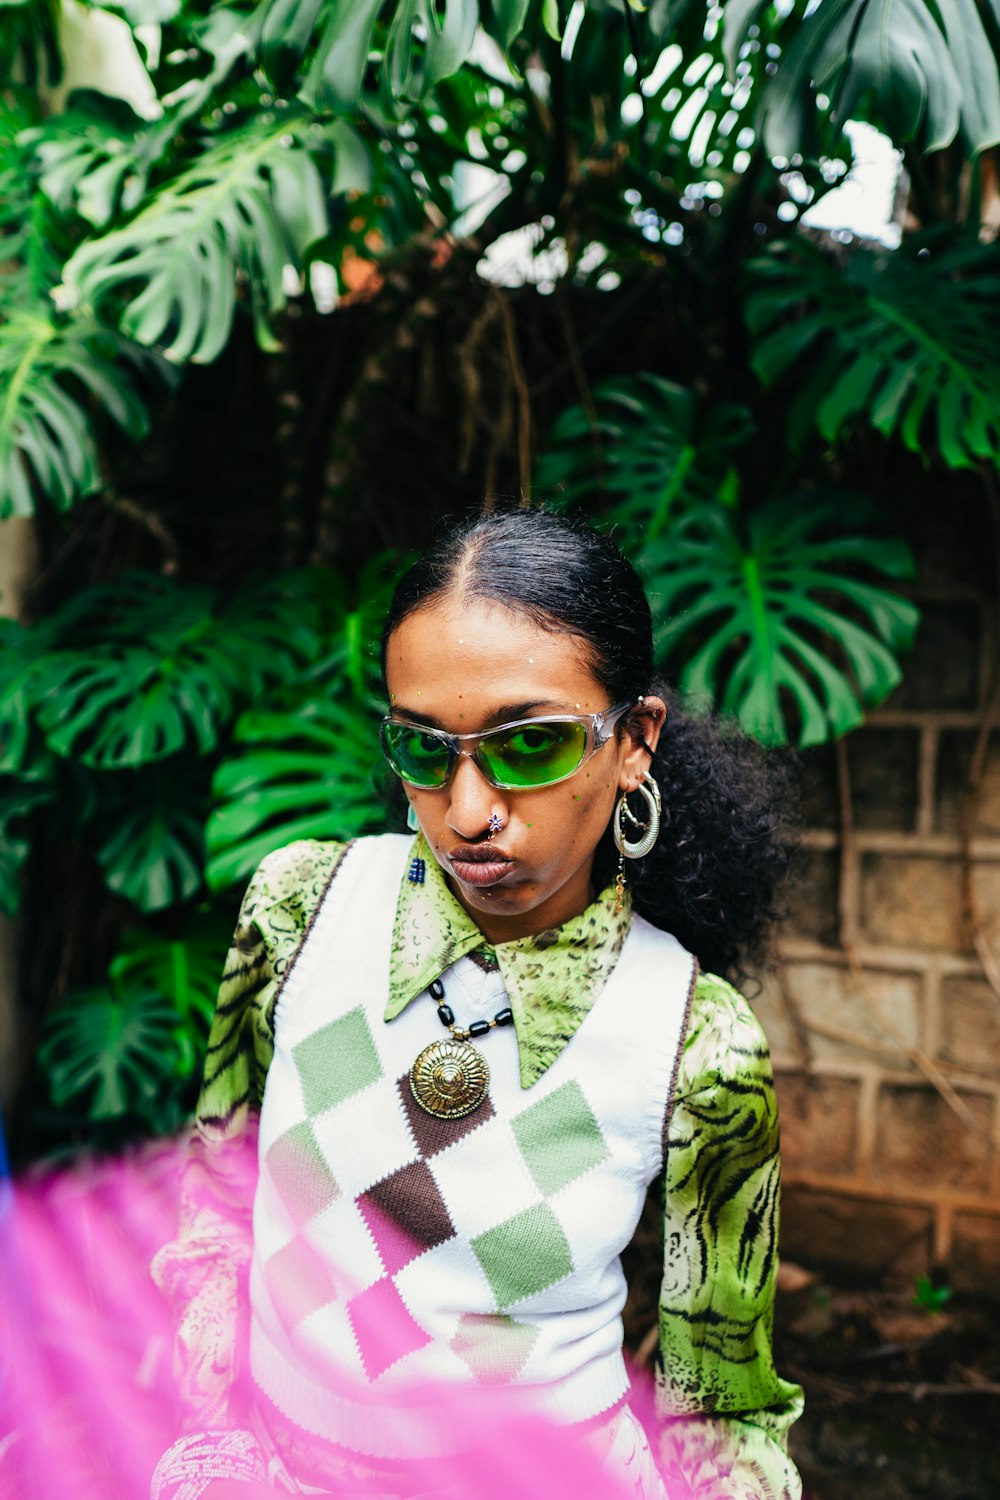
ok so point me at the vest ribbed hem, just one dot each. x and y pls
(423, 1424)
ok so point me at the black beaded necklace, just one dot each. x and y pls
(446, 1016)
(450, 1079)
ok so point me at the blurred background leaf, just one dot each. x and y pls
(787, 638)
(906, 343)
(47, 372)
(107, 1054)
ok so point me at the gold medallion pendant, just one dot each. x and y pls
(449, 1079)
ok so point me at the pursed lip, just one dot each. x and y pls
(479, 864)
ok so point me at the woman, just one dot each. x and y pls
(472, 1051)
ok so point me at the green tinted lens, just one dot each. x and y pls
(534, 754)
(418, 756)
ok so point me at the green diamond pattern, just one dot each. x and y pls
(337, 1061)
(494, 1347)
(559, 1138)
(524, 1255)
(300, 1174)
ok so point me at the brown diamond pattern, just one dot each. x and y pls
(406, 1215)
(431, 1134)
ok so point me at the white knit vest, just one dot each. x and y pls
(392, 1249)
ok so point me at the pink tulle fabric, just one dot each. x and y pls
(87, 1397)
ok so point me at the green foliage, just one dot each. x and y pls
(136, 690)
(23, 243)
(184, 968)
(112, 705)
(93, 158)
(106, 1053)
(302, 765)
(931, 1298)
(20, 650)
(20, 796)
(50, 371)
(29, 44)
(129, 1052)
(155, 668)
(301, 770)
(332, 42)
(178, 738)
(254, 203)
(651, 449)
(906, 342)
(760, 610)
(925, 72)
(777, 628)
(154, 849)
(708, 86)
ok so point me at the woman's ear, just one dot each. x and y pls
(642, 731)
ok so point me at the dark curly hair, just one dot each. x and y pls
(712, 876)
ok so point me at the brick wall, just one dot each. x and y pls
(884, 1028)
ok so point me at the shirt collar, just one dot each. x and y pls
(552, 978)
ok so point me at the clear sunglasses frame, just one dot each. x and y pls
(599, 727)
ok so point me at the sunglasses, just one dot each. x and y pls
(524, 753)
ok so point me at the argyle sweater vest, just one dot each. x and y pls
(394, 1251)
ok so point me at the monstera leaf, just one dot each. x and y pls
(22, 648)
(154, 853)
(923, 71)
(19, 797)
(303, 760)
(91, 157)
(426, 41)
(699, 104)
(109, 1054)
(907, 343)
(303, 770)
(778, 622)
(184, 970)
(651, 449)
(253, 202)
(158, 667)
(130, 1046)
(351, 620)
(49, 370)
(29, 41)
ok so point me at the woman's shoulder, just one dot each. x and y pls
(724, 1038)
(285, 891)
(304, 863)
(290, 882)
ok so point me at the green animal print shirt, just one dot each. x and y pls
(726, 1412)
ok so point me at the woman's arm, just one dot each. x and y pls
(725, 1411)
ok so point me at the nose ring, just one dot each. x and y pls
(494, 825)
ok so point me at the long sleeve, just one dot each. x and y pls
(203, 1272)
(724, 1410)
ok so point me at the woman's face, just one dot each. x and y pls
(466, 665)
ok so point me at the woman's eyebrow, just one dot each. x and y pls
(503, 714)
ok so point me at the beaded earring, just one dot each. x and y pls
(418, 867)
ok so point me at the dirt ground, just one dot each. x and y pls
(902, 1401)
